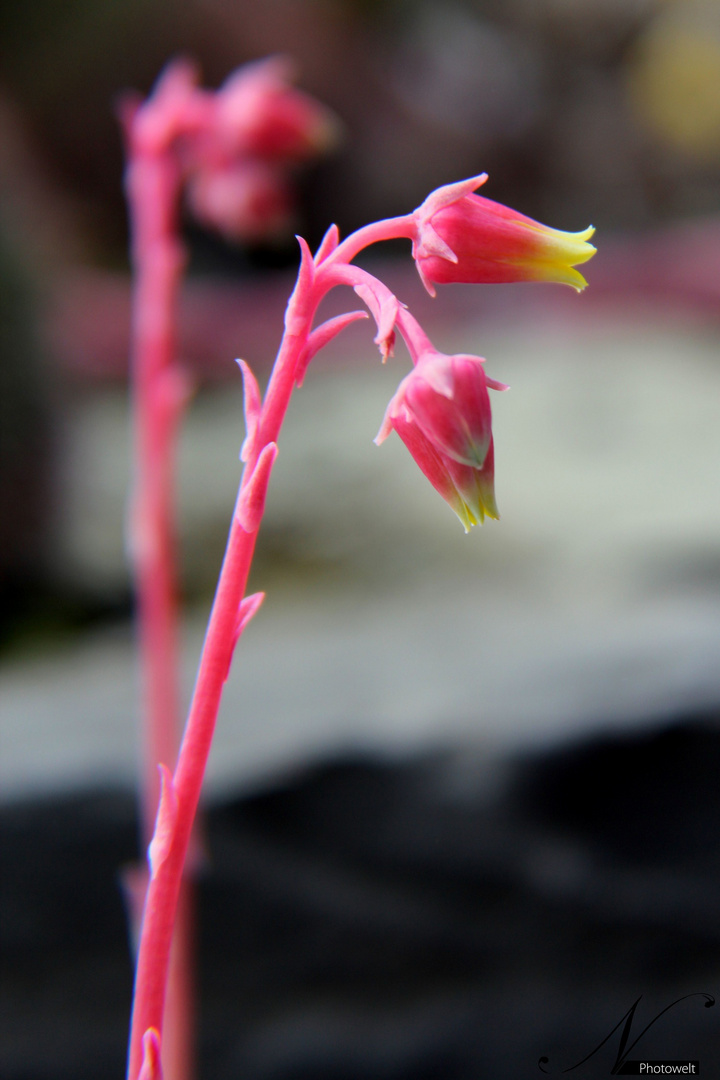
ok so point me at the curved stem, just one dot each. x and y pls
(395, 228)
(163, 891)
(413, 334)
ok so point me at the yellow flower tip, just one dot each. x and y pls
(566, 247)
(463, 515)
(556, 256)
(476, 515)
(568, 275)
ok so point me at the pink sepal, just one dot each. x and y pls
(249, 606)
(384, 306)
(151, 1068)
(253, 404)
(447, 195)
(251, 502)
(328, 244)
(298, 304)
(395, 406)
(159, 847)
(427, 240)
(320, 337)
(493, 384)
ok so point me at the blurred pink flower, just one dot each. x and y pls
(236, 147)
(258, 113)
(256, 128)
(461, 237)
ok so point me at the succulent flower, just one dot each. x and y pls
(441, 411)
(462, 237)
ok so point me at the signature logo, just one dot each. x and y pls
(625, 1046)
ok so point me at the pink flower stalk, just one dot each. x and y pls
(441, 411)
(461, 237)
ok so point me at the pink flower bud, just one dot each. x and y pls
(441, 411)
(463, 237)
(261, 115)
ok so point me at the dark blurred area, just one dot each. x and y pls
(369, 917)
(376, 921)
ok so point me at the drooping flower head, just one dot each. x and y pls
(462, 237)
(441, 411)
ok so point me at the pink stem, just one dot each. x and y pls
(415, 337)
(153, 185)
(387, 229)
(162, 896)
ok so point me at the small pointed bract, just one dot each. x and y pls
(328, 244)
(384, 306)
(251, 502)
(249, 606)
(151, 1068)
(299, 302)
(159, 847)
(253, 404)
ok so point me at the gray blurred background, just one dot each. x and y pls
(591, 611)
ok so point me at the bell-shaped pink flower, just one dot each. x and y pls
(462, 237)
(441, 411)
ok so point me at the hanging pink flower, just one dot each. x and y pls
(462, 237)
(441, 411)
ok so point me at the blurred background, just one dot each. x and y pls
(463, 805)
